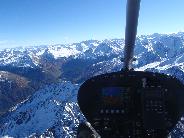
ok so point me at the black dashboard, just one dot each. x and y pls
(132, 104)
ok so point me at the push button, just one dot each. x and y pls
(112, 111)
(117, 111)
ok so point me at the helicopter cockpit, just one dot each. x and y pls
(132, 104)
(128, 103)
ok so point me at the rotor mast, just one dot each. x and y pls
(132, 15)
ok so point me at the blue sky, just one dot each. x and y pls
(37, 22)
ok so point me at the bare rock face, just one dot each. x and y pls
(13, 89)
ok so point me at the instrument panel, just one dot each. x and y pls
(131, 104)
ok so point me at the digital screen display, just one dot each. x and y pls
(112, 95)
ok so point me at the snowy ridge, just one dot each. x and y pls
(156, 47)
(52, 110)
(26, 56)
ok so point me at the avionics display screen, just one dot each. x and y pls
(113, 95)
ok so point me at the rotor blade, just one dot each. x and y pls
(132, 15)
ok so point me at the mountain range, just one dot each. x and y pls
(38, 85)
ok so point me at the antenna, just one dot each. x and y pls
(132, 16)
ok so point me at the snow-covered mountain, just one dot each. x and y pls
(29, 57)
(160, 49)
(50, 108)
(51, 111)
